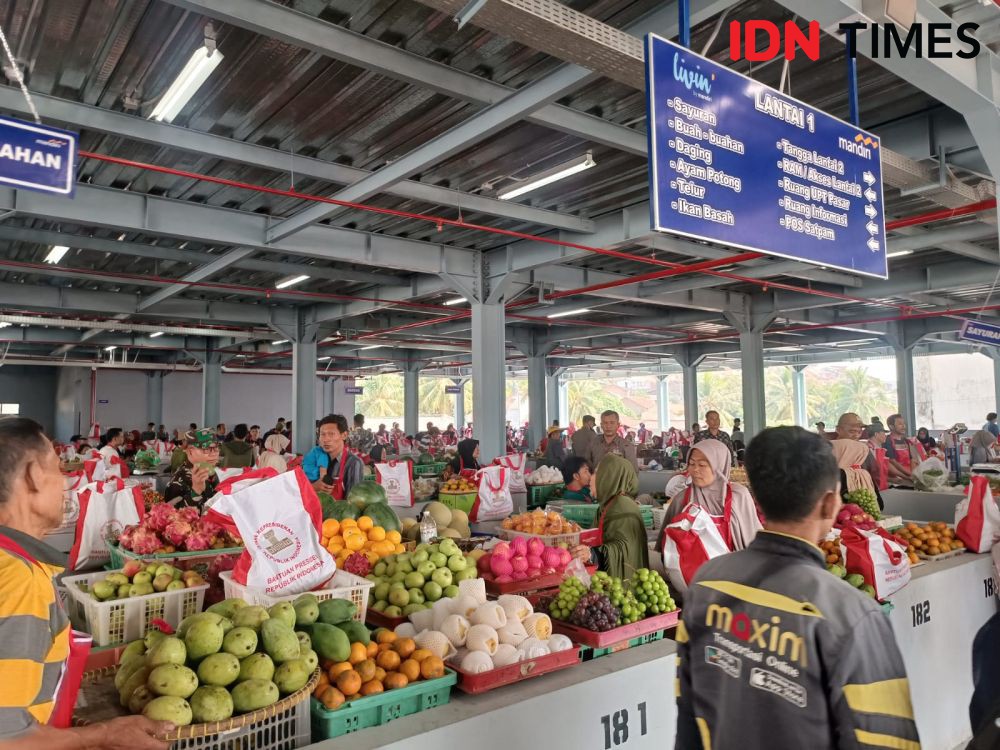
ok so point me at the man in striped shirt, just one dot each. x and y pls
(34, 630)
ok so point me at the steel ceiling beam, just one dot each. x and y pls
(85, 336)
(475, 129)
(199, 274)
(78, 115)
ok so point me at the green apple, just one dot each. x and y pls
(396, 585)
(117, 579)
(432, 591)
(381, 591)
(379, 569)
(393, 611)
(420, 556)
(403, 558)
(426, 569)
(457, 563)
(151, 569)
(390, 570)
(404, 567)
(144, 577)
(466, 574)
(178, 574)
(442, 577)
(400, 597)
(413, 580)
(450, 591)
(380, 605)
(177, 585)
(423, 547)
(409, 609)
(433, 548)
(439, 560)
(123, 591)
(416, 596)
(140, 589)
(397, 577)
(104, 590)
(449, 548)
(165, 570)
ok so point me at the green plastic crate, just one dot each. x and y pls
(369, 477)
(588, 653)
(429, 470)
(538, 494)
(586, 514)
(459, 500)
(378, 710)
(121, 556)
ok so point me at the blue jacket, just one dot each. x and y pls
(316, 462)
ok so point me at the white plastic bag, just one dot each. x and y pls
(930, 475)
(493, 501)
(396, 478)
(106, 508)
(690, 540)
(279, 518)
(977, 517)
(514, 463)
(878, 556)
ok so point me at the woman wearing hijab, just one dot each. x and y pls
(468, 457)
(851, 456)
(271, 457)
(708, 467)
(982, 445)
(925, 439)
(623, 548)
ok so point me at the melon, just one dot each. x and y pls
(441, 514)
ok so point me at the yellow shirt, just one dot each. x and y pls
(34, 635)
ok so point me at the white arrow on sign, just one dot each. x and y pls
(871, 195)
(872, 227)
(869, 178)
(871, 211)
(873, 245)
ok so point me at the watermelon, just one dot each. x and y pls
(382, 515)
(425, 459)
(365, 493)
(337, 510)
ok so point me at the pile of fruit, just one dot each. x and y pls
(541, 523)
(412, 581)
(522, 559)
(424, 488)
(150, 496)
(165, 529)
(146, 460)
(854, 579)
(544, 475)
(936, 538)
(477, 635)
(865, 500)
(458, 485)
(349, 536)
(364, 499)
(231, 659)
(853, 516)
(137, 579)
(452, 523)
(610, 602)
(831, 550)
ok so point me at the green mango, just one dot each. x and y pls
(292, 676)
(334, 611)
(210, 703)
(280, 641)
(330, 642)
(356, 632)
(219, 670)
(240, 642)
(137, 678)
(256, 667)
(306, 611)
(253, 695)
(250, 617)
(127, 669)
(305, 642)
(169, 708)
(169, 650)
(284, 612)
(135, 648)
(227, 608)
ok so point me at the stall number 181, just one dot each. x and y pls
(616, 726)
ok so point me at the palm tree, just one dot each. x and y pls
(433, 400)
(779, 396)
(721, 392)
(590, 397)
(857, 391)
(382, 397)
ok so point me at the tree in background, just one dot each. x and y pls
(721, 391)
(855, 390)
(592, 397)
(382, 397)
(433, 399)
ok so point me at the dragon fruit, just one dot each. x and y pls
(189, 514)
(358, 564)
(201, 536)
(145, 542)
(160, 515)
(178, 530)
(125, 539)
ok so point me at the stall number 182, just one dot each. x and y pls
(616, 726)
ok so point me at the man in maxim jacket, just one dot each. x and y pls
(775, 652)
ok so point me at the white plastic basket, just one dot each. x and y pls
(343, 585)
(550, 539)
(288, 730)
(123, 620)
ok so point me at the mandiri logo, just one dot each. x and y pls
(759, 41)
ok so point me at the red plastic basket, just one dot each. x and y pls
(379, 620)
(512, 673)
(551, 581)
(606, 638)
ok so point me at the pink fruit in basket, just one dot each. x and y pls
(535, 546)
(551, 558)
(502, 549)
(132, 567)
(145, 542)
(519, 563)
(483, 564)
(177, 531)
(500, 566)
(534, 572)
(160, 515)
(520, 575)
(519, 546)
(125, 538)
(189, 514)
(534, 562)
(504, 579)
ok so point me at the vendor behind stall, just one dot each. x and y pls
(35, 641)
(982, 448)
(272, 456)
(851, 456)
(467, 459)
(904, 453)
(576, 475)
(331, 466)
(622, 547)
(194, 483)
(238, 452)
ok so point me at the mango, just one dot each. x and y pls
(330, 642)
(169, 708)
(305, 642)
(280, 641)
(240, 642)
(219, 670)
(311, 658)
(202, 639)
(256, 667)
(292, 676)
(139, 677)
(140, 697)
(283, 612)
(152, 636)
(306, 610)
(253, 695)
(227, 608)
(212, 617)
(135, 648)
(169, 650)
(250, 617)
(334, 611)
(211, 703)
(126, 670)
(356, 632)
(172, 680)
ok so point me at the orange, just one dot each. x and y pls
(372, 650)
(394, 536)
(325, 541)
(410, 669)
(404, 647)
(335, 549)
(400, 549)
(372, 688)
(354, 542)
(337, 539)
(379, 674)
(323, 684)
(365, 523)
(431, 667)
(395, 680)
(420, 654)
(331, 527)
(332, 698)
(359, 652)
(385, 636)
(376, 534)
(346, 522)
(372, 556)
(337, 669)
(366, 670)
(384, 647)
(349, 682)
(388, 660)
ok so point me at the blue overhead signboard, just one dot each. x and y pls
(453, 389)
(356, 390)
(37, 157)
(983, 333)
(736, 162)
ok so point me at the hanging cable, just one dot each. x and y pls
(19, 77)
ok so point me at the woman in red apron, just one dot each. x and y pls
(337, 493)
(851, 456)
(466, 464)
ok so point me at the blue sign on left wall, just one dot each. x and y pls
(37, 157)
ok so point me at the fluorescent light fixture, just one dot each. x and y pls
(567, 313)
(279, 342)
(553, 175)
(366, 348)
(110, 348)
(291, 281)
(899, 254)
(5, 325)
(192, 76)
(156, 335)
(56, 254)
(456, 301)
(324, 359)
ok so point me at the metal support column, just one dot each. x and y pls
(553, 377)
(488, 378)
(459, 405)
(537, 423)
(662, 403)
(799, 412)
(689, 362)
(995, 356)
(303, 333)
(906, 398)
(751, 327)
(329, 386)
(411, 397)
(154, 398)
(564, 402)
